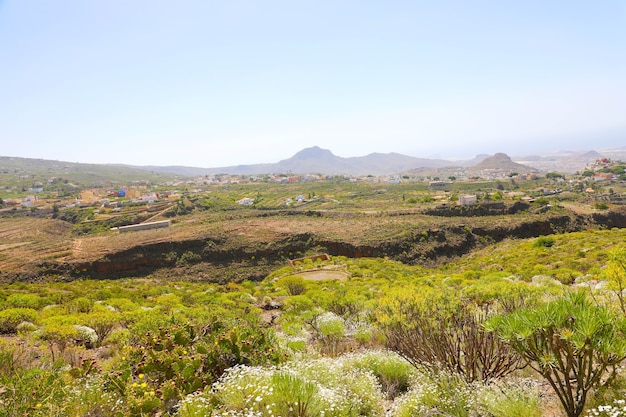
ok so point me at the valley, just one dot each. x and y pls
(333, 295)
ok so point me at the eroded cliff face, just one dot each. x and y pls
(430, 246)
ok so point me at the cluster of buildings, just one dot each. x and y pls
(92, 197)
(602, 170)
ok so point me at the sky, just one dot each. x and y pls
(212, 83)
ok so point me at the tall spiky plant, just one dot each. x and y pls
(574, 344)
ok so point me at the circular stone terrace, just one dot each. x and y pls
(323, 274)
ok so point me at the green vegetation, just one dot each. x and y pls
(570, 342)
(458, 340)
(58, 176)
(436, 330)
(225, 326)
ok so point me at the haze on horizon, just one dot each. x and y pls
(219, 83)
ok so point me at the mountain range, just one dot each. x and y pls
(323, 161)
(319, 161)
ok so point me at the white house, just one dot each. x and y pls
(246, 201)
(467, 199)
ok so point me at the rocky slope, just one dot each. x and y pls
(250, 249)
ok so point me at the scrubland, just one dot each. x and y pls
(418, 310)
(493, 333)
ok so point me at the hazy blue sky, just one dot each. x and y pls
(213, 83)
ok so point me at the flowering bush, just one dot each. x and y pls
(617, 409)
(329, 329)
(393, 372)
(85, 335)
(319, 387)
(444, 394)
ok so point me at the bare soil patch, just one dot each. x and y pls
(323, 274)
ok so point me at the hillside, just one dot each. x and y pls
(289, 295)
(249, 243)
(502, 162)
(28, 171)
(192, 343)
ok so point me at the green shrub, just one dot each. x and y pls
(566, 276)
(294, 395)
(80, 305)
(188, 258)
(600, 206)
(298, 304)
(51, 311)
(329, 330)
(393, 372)
(438, 329)
(330, 326)
(168, 301)
(122, 304)
(296, 345)
(36, 393)
(364, 333)
(293, 284)
(102, 322)
(19, 300)
(544, 242)
(12, 317)
(346, 306)
(119, 337)
(7, 359)
(59, 335)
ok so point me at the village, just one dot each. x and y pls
(601, 180)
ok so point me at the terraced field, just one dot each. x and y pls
(25, 241)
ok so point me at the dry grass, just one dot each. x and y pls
(26, 241)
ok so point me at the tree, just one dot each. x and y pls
(572, 343)
(554, 176)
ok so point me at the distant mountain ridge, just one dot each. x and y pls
(315, 160)
(322, 161)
